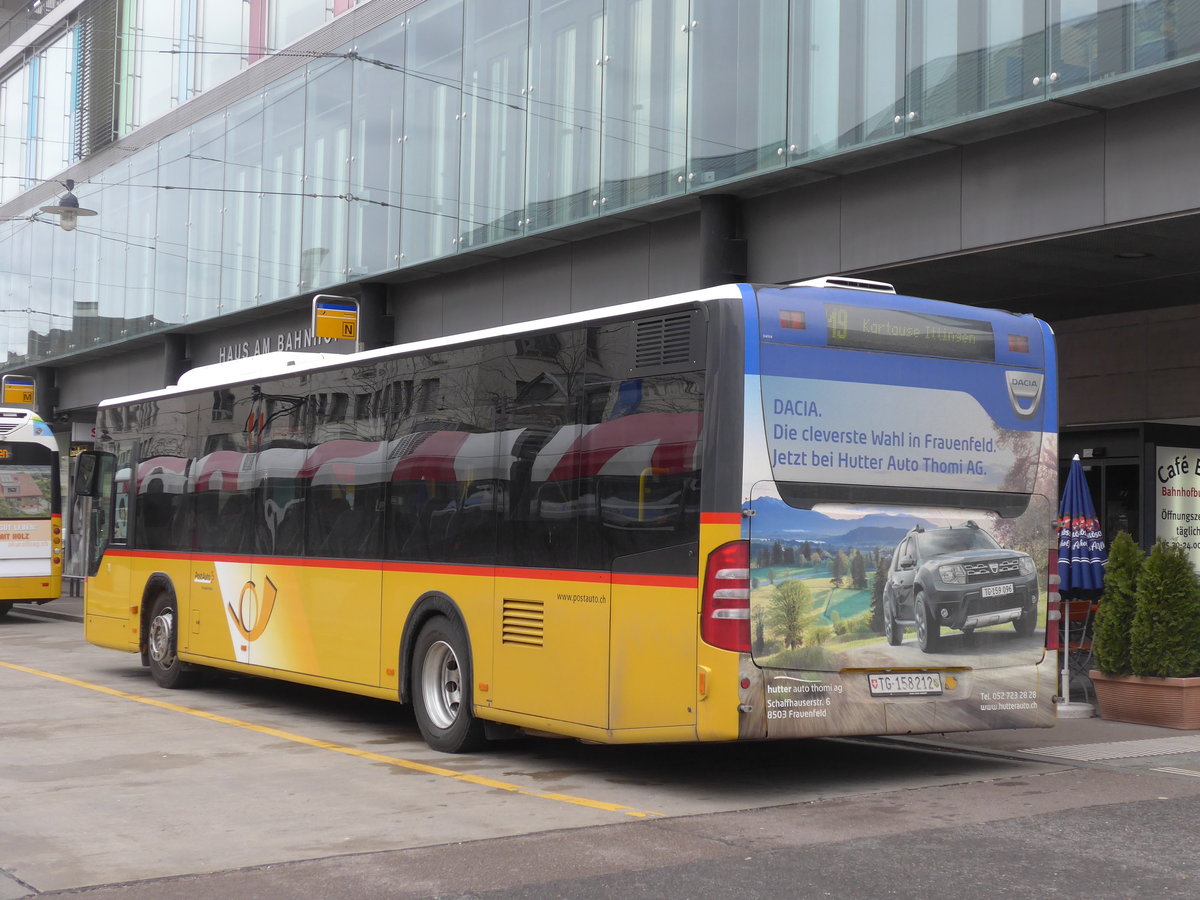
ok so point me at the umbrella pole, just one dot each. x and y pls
(1066, 650)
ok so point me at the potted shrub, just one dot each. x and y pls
(1148, 653)
(1114, 615)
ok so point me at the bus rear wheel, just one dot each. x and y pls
(441, 688)
(161, 642)
(4, 608)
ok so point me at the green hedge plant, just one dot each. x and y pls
(1164, 639)
(1114, 617)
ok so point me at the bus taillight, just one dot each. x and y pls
(725, 612)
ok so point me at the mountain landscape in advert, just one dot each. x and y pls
(775, 520)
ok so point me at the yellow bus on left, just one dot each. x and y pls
(31, 539)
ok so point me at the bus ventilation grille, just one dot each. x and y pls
(663, 341)
(523, 622)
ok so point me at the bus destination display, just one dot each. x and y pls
(898, 331)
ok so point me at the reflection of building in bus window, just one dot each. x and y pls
(122, 522)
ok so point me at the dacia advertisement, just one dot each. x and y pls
(898, 499)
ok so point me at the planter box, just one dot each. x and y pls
(1166, 702)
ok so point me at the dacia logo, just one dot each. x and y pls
(995, 567)
(1024, 391)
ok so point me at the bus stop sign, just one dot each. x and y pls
(18, 389)
(335, 317)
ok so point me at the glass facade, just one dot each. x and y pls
(460, 124)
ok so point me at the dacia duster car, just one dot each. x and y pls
(957, 577)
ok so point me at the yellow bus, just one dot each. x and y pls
(744, 512)
(31, 542)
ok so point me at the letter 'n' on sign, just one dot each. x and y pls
(335, 317)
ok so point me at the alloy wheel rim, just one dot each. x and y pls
(441, 685)
(160, 642)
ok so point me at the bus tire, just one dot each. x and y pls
(929, 630)
(4, 609)
(162, 637)
(441, 680)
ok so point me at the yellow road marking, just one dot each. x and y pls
(339, 748)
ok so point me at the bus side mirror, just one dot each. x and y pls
(87, 473)
(92, 468)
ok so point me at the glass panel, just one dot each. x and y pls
(494, 120)
(966, 58)
(140, 247)
(375, 151)
(41, 323)
(12, 317)
(1015, 67)
(564, 111)
(644, 154)
(13, 133)
(1121, 495)
(54, 127)
(204, 218)
(62, 289)
(170, 243)
(282, 187)
(936, 93)
(98, 256)
(1092, 40)
(112, 201)
(90, 327)
(326, 163)
(292, 19)
(222, 36)
(847, 74)
(738, 89)
(153, 66)
(1089, 41)
(432, 114)
(1164, 30)
(243, 182)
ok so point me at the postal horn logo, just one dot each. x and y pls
(253, 613)
(1024, 391)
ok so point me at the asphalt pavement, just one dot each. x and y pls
(1114, 821)
(1072, 739)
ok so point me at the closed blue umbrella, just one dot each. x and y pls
(1081, 559)
(1081, 551)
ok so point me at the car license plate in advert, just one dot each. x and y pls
(905, 684)
(997, 590)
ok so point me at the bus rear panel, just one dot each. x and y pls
(899, 485)
(30, 521)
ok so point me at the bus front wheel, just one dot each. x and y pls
(441, 679)
(161, 642)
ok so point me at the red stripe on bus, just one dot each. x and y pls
(414, 568)
(720, 518)
(554, 575)
(674, 581)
